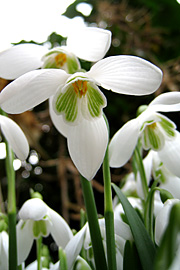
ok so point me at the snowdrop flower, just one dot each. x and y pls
(88, 43)
(4, 248)
(37, 219)
(15, 137)
(78, 100)
(156, 131)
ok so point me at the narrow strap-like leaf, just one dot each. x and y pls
(144, 244)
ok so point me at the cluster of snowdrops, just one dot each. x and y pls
(140, 228)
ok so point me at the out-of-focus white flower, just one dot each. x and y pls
(4, 249)
(37, 219)
(162, 219)
(15, 137)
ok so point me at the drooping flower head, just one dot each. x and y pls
(37, 219)
(77, 99)
(87, 43)
(157, 132)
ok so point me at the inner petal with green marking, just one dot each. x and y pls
(39, 228)
(152, 137)
(81, 98)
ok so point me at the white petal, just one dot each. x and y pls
(87, 143)
(24, 239)
(162, 219)
(34, 209)
(4, 247)
(123, 143)
(166, 102)
(31, 89)
(74, 247)
(58, 120)
(170, 154)
(15, 137)
(89, 43)
(60, 230)
(20, 59)
(127, 75)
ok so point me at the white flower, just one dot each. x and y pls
(155, 168)
(4, 248)
(88, 43)
(37, 219)
(156, 131)
(83, 239)
(15, 137)
(79, 101)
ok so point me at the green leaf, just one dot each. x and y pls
(169, 244)
(131, 259)
(144, 244)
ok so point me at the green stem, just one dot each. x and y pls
(98, 250)
(141, 170)
(109, 214)
(38, 250)
(11, 209)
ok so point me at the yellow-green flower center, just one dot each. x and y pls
(80, 88)
(60, 59)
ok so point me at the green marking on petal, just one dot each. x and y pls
(67, 103)
(39, 228)
(96, 101)
(168, 127)
(153, 137)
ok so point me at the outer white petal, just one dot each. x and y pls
(126, 74)
(15, 137)
(60, 230)
(31, 89)
(34, 209)
(89, 43)
(58, 120)
(170, 154)
(24, 239)
(87, 143)
(162, 219)
(166, 102)
(20, 59)
(123, 143)
(4, 248)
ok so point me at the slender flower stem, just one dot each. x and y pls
(141, 170)
(38, 251)
(11, 205)
(99, 255)
(109, 214)
(11, 209)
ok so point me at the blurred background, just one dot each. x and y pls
(146, 28)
